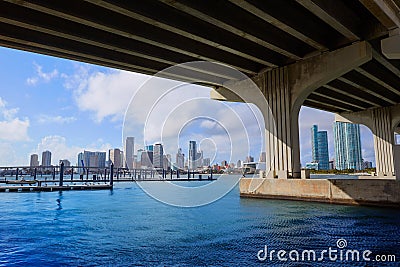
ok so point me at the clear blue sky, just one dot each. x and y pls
(66, 106)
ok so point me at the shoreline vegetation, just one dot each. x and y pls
(347, 171)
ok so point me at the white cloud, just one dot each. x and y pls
(43, 119)
(60, 148)
(78, 80)
(40, 75)
(104, 94)
(12, 128)
(32, 80)
(8, 155)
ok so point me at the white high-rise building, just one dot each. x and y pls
(129, 151)
(167, 162)
(46, 158)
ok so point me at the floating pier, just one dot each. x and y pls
(61, 178)
(53, 188)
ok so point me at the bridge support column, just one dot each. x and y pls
(282, 132)
(383, 142)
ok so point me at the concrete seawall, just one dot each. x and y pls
(376, 192)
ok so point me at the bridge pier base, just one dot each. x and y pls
(370, 192)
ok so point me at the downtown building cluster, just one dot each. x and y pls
(149, 157)
(46, 160)
(347, 143)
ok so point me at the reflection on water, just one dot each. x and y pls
(124, 226)
(60, 196)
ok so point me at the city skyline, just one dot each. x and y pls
(64, 106)
(116, 157)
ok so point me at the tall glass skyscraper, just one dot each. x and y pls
(347, 146)
(320, 153)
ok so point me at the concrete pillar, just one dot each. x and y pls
(281, 139)
(383, 141)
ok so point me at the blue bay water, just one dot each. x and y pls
(124, 227)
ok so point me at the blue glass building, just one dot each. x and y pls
(320, 152)
(347, 146)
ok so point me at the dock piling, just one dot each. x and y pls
(61, 173)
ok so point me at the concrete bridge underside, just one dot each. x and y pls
(341, 56)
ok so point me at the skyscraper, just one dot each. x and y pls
(92, 159)
(249, 159)
(239, 164)
(46, 158)
(347, 146)
(129, 148)
(206, 162)
(115, 156)
(199, 158)
(314, 143)
(146, 160)
(180, 159)
(192, 155)
(139, 158)
(167, 162)
(34, 160)
(81, 160)
(158, 156)
(320, 152)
